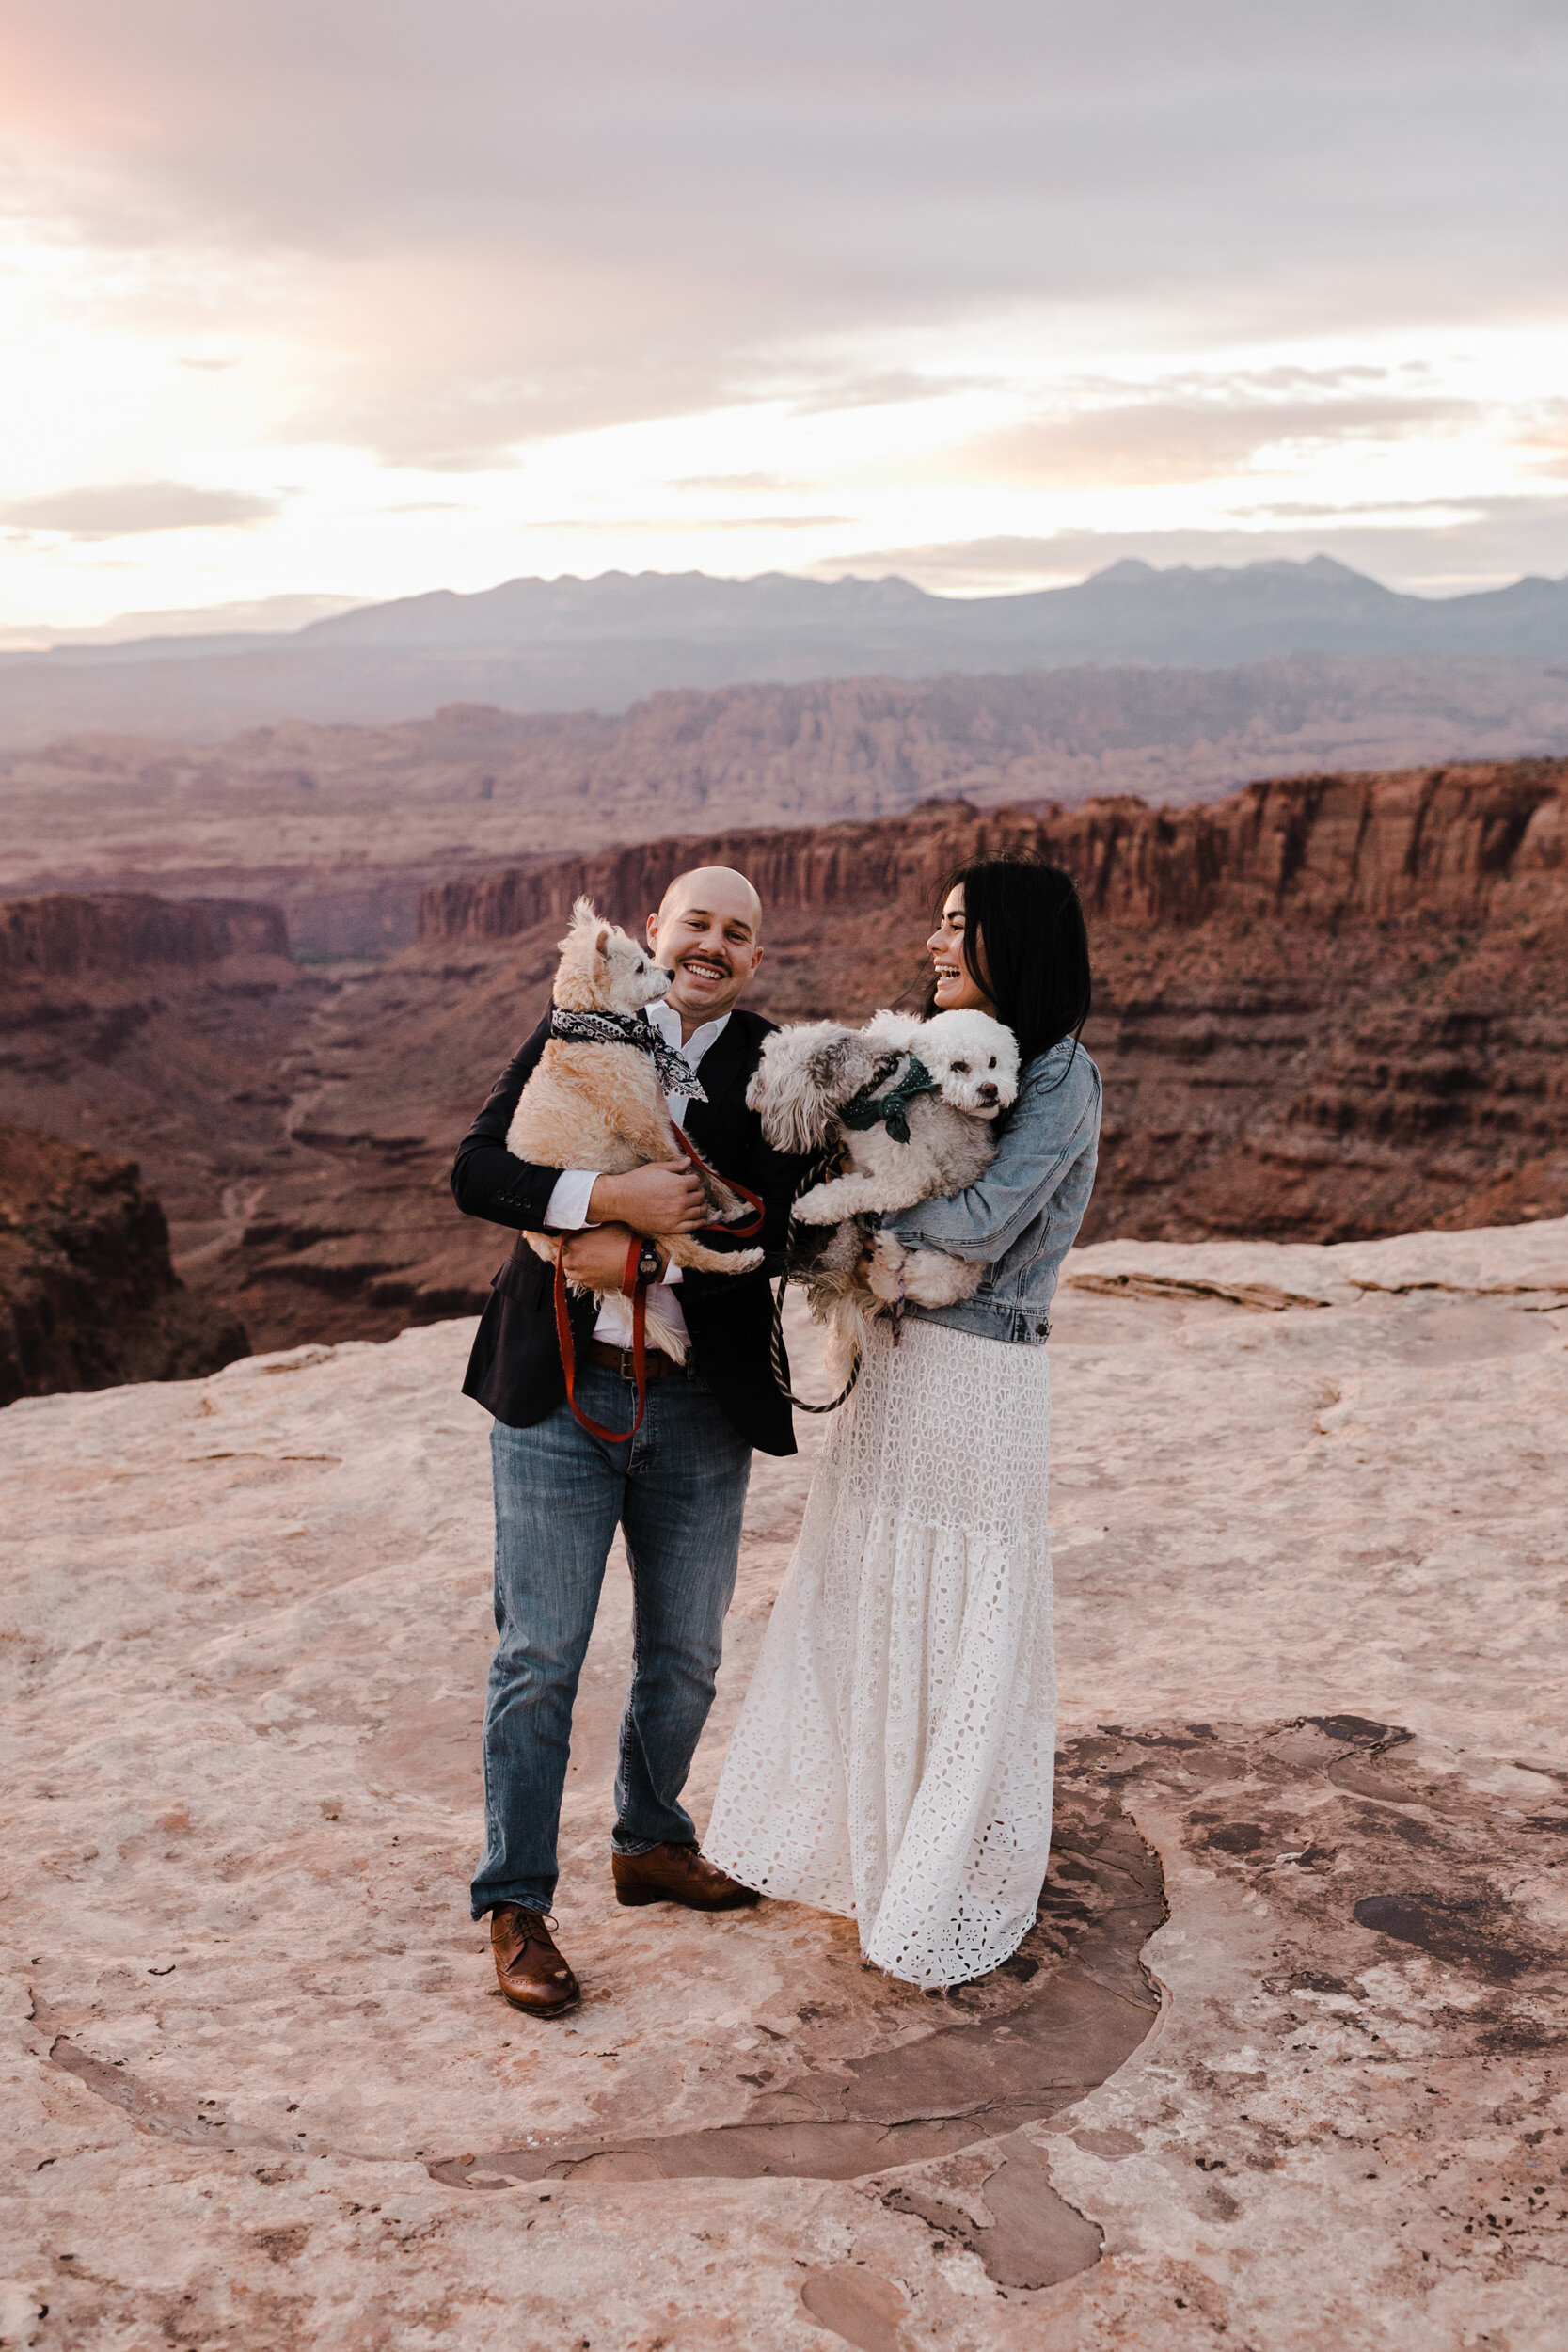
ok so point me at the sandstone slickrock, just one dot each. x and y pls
(87, 1296)
(1310, 1570)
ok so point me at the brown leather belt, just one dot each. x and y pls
(620, 1360)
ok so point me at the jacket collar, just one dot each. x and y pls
(731, 1054)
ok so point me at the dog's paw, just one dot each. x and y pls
(816, 1208)
(885, 1275)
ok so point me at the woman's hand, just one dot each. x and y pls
(598, 1257)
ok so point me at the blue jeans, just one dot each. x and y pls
(678, 1490)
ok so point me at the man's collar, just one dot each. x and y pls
(667, 1020)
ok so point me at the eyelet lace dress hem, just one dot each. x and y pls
(894, 1759)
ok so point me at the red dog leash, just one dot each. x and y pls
(638, 1343)
(741, 1233)
(638, 1288)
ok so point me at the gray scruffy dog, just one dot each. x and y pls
(909, 1106)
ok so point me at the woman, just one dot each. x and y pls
(894, 1756)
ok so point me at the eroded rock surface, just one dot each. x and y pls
(87, 1296)
(1325, 1008)
(339, 825)
(120, 932)
(1310, 1570)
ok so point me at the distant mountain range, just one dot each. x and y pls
(560, 644)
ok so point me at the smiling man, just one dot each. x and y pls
(677, 1489)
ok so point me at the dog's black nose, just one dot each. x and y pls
(988, 1092)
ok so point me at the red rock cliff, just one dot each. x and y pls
(88, 1297)
(119, 932)
(1319, 850)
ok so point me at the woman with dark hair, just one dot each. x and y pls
(893, 1758)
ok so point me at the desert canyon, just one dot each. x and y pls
(1277, 2064)
(1327, 1008)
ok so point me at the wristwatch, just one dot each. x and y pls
(650, 1265)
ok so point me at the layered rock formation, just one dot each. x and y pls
(88, 1297)
(1309, 1510)
(339, 825)
(1448, 844)
(62, 937)
(152, 1028)
(1326, 1007)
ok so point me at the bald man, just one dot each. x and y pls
(677, 1490)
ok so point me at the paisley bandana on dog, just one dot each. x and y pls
(888, 1110)
(675, 1073)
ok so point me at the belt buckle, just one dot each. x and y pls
(628, 1364)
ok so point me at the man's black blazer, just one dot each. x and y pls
(514, 1368)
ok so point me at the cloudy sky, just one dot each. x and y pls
(357, 297)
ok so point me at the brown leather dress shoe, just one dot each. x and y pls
(528, 1970)
(677, 1874)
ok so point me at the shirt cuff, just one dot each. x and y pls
(673, 1274)
(567, 1211)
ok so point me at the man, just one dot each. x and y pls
(677, 1488)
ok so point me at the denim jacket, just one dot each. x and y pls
(1023, 1215)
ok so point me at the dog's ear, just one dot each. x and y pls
(601, 939)
(839, 1064)
(784, 1091)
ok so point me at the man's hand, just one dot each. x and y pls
(599, 1257)
(664, 1198)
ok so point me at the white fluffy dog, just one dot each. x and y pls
(908, 1104)
(596, 1098)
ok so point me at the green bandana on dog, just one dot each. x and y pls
(890, 1110)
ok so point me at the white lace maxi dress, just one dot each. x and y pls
(894, 1756)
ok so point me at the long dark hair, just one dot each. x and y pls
(1025, 921)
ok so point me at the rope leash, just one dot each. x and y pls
(775, 1343)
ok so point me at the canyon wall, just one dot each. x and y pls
(60, 936)
(88, 1298)
(1325, 1010)
(339, 825)
(1319, 850)
(153, 1030)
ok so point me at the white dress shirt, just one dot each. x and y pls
(567, 1210)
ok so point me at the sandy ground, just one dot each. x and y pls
(1308, 1508)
